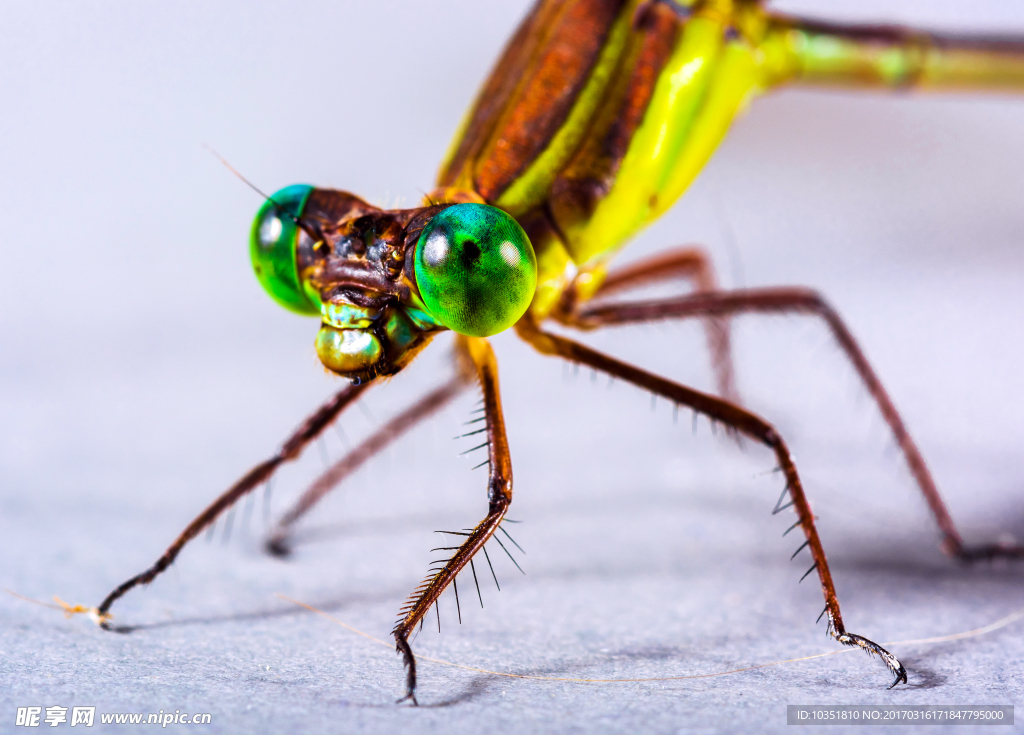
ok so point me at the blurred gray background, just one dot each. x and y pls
(142, 370)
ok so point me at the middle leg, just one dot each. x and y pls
(745, 423)
(690, 263)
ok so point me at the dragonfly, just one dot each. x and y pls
(594, 121)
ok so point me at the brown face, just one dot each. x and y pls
(359, 259)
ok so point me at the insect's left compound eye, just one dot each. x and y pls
(475, 269)
(272, 247)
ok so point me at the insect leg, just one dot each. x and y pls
(691, 263)
(292, 448)
(499, 495)
(278, 542)
(745, 423)
(795, 300)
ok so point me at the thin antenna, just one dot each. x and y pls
(233, 170)
(317, 237)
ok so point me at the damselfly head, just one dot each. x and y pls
(384, 281)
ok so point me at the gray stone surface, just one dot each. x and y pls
(142, 371)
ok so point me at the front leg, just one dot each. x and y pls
(309, 430)
(499, 496)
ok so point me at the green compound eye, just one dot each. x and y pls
(475, 269)
(272, 248)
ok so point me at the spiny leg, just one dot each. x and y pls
(292, 448)
(499, 496)
(744, 422)
(691, 263)
(278, 543)
(790, 300)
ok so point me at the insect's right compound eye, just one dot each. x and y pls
(272, 245)
(475, 269)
